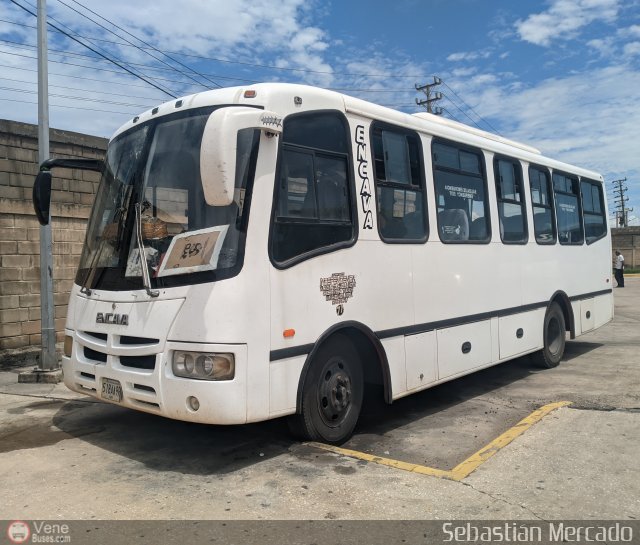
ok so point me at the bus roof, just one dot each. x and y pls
(279, 97)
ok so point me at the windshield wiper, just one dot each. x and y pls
(146, 280)
(88, 280)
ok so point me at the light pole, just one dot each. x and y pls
(48, 359)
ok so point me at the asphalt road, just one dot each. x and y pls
(64, 456)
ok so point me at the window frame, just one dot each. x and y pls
(600, 186)
(422, 188)
(523, 202)
(348, 154)
(483, 175)
(575, 178)
(551, 206)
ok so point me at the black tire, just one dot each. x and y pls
(332, 394)
(554, 333)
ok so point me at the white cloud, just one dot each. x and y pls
(564, 19)
(589, 118)
(631, 49)
(468, 56)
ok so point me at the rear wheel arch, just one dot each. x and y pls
(562, 299)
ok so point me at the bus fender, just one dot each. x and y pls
(374, 343)
(563, 300)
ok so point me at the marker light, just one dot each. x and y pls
(250, 93)
(288, 333)
(203, 366)
(68, 345)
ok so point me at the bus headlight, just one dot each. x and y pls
(203, 365)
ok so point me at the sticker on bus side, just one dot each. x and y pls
(338, 288)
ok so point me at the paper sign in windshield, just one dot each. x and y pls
(194, 251)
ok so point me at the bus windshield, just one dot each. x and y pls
(156, 167)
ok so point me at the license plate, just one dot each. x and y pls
(111, 390)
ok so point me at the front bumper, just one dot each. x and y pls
(143, 369)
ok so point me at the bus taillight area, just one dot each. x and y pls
(138, 373)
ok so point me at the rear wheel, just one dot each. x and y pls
(554, 331)
(332, 394)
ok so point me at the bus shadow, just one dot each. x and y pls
(168, 445)
(379, 418)
(162, 444)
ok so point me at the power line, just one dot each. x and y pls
(63, 106)
(119, 65)
(79, 89)
(140, 40)
(451, 115)
(102, 101)
(468, 106)
(462, 111)
(87, 67)
(146, 66)
(128, 84)
(253, 64)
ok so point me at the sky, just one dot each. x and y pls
(560, 75)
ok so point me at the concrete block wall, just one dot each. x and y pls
(627, 240)
(73, 192)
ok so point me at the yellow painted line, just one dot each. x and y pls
(397, 464)
(474, 461)
(463, 469)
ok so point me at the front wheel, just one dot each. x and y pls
(554, 332)
(332, 394)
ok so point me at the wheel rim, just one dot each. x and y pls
(554, 336)
(334, 392)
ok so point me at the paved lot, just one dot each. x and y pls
(64, 456)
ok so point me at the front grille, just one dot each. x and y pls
(126, 340)
(142, 350)
(94, 355)
(139, 362)
(100, 336)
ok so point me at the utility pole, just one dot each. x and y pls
(431, 97)
(48, 359)
(622, 214)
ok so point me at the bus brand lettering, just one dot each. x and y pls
(363, 172)
(109, 318)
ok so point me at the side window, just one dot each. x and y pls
(511, 208)
(313, 204)
(461, 193)
(568, 214)
(399, 185)
(542, 204)
(595, 222)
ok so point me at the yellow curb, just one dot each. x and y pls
(463, 469)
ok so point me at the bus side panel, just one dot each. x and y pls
(394, 349)
(284, 376)
(520, 333)
(463, 348)
(421, 360)
(587, 316)
(603, 309)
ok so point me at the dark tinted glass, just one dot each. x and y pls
(318, 131)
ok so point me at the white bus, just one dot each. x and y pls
(299, 243)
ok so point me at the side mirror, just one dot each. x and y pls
(42, 196)
(42, 185)
(218, 152)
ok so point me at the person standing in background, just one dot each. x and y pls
(618, 266)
